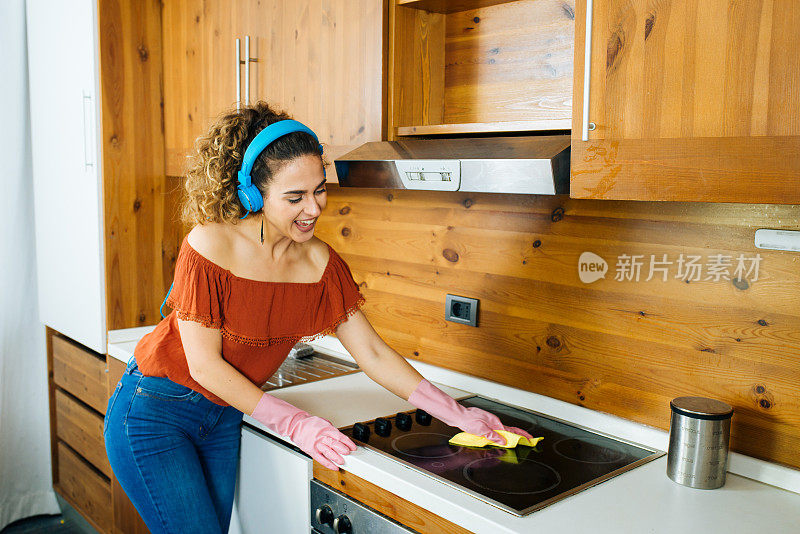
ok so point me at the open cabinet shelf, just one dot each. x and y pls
(484, 127)
(471, 67)
(449, 6)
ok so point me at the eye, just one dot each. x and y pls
(294, 200)
(320, 191)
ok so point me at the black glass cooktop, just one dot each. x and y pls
(520, 480)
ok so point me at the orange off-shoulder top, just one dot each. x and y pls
(259, 321)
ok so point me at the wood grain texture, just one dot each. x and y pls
(449, 6)
(387, 503)
(138, 214)
(82, 429)
(621, 346)
(84, 488)
(80, 372)
(416, 67)
(321, 61)
(484, 127)
(496, 64)
(693, 101)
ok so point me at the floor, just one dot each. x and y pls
(69, 522)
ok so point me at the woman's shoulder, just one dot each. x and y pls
(318, 252)
(213, 241)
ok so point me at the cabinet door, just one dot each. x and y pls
(320, 62)
(200, 72)
(63, 74)
(323, 63)
(692, 100)
(272, 490)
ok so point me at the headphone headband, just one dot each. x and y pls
(249, 194)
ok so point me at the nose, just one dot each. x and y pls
(312, 207)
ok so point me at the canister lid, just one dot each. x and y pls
(701, 408)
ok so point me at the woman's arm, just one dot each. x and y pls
(203, 349)
(314, 435)
(392, 371)
(381, 363)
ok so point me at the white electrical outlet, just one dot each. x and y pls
(778, 239)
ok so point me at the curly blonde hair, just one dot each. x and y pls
(212, 177)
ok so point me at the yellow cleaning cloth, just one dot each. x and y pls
(512, 440)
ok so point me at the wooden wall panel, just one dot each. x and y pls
(139, 212)
(619, 346)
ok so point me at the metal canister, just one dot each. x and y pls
(699, 433)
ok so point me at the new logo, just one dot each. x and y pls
(591, 267)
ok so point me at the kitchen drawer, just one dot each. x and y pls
(82, 429)
(84, 488)
(81, 372)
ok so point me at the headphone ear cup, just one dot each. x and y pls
(250, 197)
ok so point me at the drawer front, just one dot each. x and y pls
(85, 489)
(81, 429)
(80, 372)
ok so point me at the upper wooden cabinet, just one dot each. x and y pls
(479, 66)
(322, 63)
(690, 101)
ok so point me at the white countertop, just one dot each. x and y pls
(643, 500)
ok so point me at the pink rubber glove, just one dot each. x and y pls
(473, 420)
(314, 435)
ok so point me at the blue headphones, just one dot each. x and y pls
(249, 195)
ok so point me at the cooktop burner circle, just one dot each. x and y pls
(424, 445)
(511, 478)
(587, 451)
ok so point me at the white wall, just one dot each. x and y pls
(25, 476)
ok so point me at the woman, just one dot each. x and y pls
(250, 282)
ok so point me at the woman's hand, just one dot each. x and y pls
(316, 436)
(322, 441)
(473, 420)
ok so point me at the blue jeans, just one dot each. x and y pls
(174, 452)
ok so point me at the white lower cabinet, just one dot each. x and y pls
(272, 489)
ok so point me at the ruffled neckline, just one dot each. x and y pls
(260, 282)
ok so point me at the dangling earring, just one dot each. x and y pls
(262, 227)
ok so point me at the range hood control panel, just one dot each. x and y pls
(430, 175)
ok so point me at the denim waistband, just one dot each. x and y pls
(132, 368)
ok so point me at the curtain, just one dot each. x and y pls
(25, 472)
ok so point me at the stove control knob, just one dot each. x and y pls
(402, 421)
(342, 525)
(383, 427)
(324, 515)
(361, 432)
(423, 417)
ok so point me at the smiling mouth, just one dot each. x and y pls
(305, 225)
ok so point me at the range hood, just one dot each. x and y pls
(526, 164)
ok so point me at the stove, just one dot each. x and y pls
(520, 480)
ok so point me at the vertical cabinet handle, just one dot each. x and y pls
(88, 132)
(247, 61)
(587, 73)
(238, 74)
